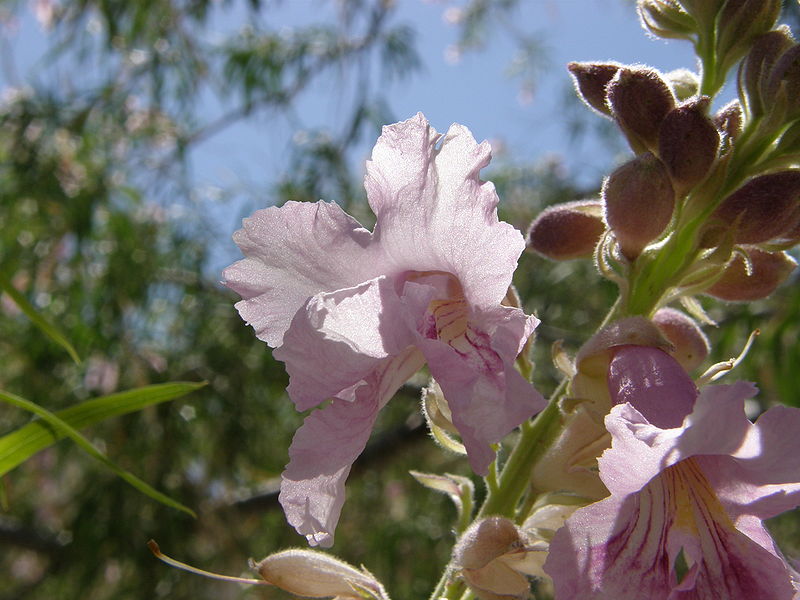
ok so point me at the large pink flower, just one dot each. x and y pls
(354, 313)
(684, 519)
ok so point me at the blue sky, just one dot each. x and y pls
(476, 91)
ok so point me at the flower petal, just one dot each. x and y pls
(653, 382)
(434, 213)
(292, 253)
(488, 398)
(325, 446)
(338, 338)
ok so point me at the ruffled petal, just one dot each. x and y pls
(652, 382)
(338, 338)
(435, 214)
(292, 253)
(488, 398)
(623, 548)
(324, 448)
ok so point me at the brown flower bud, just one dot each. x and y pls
(685, 84)
(591, 80)
(728, 119)
(688, 143)
(738, 22)
(314, 574)
(760, 210)
(665, 19)
(568, 230)
(740, 284)
(482, 555)
(639, 201)
(756, 70)
(785, 79)
(690, 344)
(639, 99)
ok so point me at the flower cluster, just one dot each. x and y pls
(638, 479)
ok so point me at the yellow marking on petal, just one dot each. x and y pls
(692, 498)
(450, 317)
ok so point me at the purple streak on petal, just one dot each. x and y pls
(653, 382)
(487, 396)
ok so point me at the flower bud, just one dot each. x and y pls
(728, 120)
(639, 201)
(567, 230)
(690, 344)
(314, 574)
(785, 79)
(665, 19)
(756, 70)
(485, 556)
(639, 99)
(688, 143)
(738, 22)
(591, 80)
(685, 84)
(740, 284)
(760, 210)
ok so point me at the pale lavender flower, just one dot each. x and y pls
(685, 516)
(355, 313)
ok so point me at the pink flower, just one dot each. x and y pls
(354, 313)
(685, 516)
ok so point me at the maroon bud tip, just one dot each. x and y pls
(591, 80)
(639, 99)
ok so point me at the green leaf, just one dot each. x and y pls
(37, 319)
(26, 441)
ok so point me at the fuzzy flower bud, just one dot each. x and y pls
(738, 22)
(785, 80)
(688, 143)
(762, 208)
(665, 19)
(591, 80)
(690, 344)
(567, 230)
(318, 575)
(756, 70)
(492, 558)
(685, 84)
(741, 282)
(728, 120)
(639, 99)
(639, 201)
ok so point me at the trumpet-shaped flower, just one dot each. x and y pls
(355, 313)
(685, 516)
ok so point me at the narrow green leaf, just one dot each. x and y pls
(37, 319)
(68, 431)
(17, 446)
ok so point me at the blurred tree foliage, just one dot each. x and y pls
(102, 229)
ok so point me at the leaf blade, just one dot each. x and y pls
(60, 428)
(37, 319)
